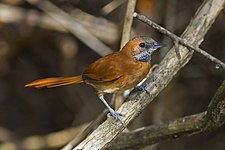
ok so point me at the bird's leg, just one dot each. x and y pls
(141, 88)
(115, 114)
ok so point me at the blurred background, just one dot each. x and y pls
(62, 37)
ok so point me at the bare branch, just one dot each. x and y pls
(215, 108)
(135, 103)
(128, 21)
(156, 133)
(186, 126)
(104, 29)
(78, 138)
(107, 31)
(179, 40)
(176, 47)
(112, 6)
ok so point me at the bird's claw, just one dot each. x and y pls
(142, 88)
(117, 116)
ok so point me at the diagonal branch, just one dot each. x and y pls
(170, 130)
(178, 40)
(128, 21)
(186, 126)
(168, 68)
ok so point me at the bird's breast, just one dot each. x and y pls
(135, 74)
(111, 90)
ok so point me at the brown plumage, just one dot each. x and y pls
(115, 72)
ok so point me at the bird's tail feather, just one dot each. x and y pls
(55, 82)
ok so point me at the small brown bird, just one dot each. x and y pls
(112, 73)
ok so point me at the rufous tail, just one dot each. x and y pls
(55, 82)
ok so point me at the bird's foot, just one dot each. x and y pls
(116, 115)
(142, 87)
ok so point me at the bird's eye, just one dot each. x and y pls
(142, 44)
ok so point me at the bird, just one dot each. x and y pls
(115, 72)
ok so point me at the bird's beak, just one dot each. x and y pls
(158, 45)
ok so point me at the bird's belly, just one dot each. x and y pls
(111, 90)
(124, 83)
(131, 83)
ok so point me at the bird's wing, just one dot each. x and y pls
(105, 69)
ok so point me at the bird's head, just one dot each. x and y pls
(142, 47)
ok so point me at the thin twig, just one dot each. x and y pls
(182, 41)
(128, 21)
(111, 6)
